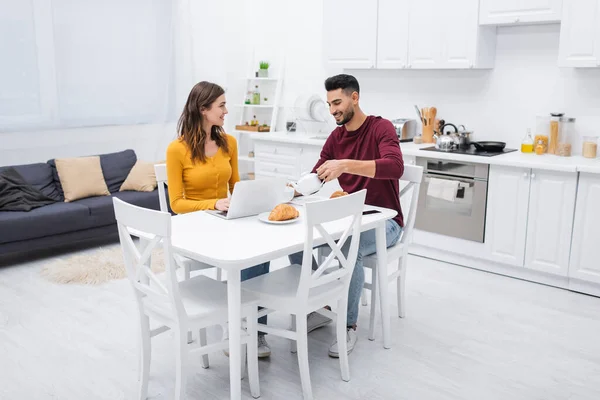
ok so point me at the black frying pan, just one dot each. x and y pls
(489, 146)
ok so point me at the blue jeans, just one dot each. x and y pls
(366, 247)
(253, 272)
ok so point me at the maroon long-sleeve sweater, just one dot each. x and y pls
(376, 139)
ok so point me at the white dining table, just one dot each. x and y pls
(237, 244)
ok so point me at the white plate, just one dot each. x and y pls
(264, 217)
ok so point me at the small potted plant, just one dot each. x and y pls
(263, 71)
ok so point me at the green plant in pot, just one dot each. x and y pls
(263, 71)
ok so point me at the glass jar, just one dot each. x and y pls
(256, 96)
(590, 146)
(540, 147)
(566, 133)
(553, 139)
(248, 99)
(527, 143)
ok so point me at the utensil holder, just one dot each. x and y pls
(427, 133)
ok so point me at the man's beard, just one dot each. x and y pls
(347, 117)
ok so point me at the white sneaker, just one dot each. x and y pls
(314, 320)
(351, 339)
(263, 347)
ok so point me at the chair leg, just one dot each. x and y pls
(374, 289)
(203, 342)
(341, 331)
(219, 274)
(181, 354)
(145, 354)
(187, 273)
(252, 355)
(302, 339)
(401, 284)
(363, 297)
(293, 343)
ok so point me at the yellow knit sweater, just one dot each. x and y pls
(198, 186)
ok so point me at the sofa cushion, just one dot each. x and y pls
(101, 207)
(44, 221)
(39, 176)
(141, 178)
(81, 177)
(115, 168)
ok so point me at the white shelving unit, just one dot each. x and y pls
(270, 88)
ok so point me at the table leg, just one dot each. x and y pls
(234, 304)
(380, 243)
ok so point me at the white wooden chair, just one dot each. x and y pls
(298, 290)
(187, 264)
(411, 178)
(196, 303)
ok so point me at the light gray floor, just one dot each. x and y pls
(467, 335)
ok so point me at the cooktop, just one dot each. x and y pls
(472, 151)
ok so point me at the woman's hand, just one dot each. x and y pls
(222, 204)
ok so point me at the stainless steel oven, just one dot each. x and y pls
(452, 199)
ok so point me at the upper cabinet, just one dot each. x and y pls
(500, 12)
(350, 33)
(580, 34)
(398, 34)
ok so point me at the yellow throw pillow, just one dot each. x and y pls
(141, 178)
(81, 177)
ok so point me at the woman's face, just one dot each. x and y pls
(215, 114)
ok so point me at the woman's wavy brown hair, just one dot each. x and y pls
(189, 127)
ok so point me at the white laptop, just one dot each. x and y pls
(253, 197)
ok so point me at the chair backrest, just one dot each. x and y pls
(413, 174)
(160, 170)
(155, 229)
(347, 209)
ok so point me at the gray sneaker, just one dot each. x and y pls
(314, 320)
(350, 341)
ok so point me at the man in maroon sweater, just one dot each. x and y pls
(363, 152)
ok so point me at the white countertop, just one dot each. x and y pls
(514, 159)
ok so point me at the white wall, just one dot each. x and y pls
(498, 104)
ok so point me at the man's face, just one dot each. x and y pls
(341, 105)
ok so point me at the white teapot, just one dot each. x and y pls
(308, 184)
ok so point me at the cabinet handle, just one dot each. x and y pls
(532, 176)
(524, 174)
(409, 66)
(517, 19)
(402, 66)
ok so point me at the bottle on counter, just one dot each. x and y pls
(540, 147)
(527, 143)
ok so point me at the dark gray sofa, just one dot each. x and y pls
(65, 223)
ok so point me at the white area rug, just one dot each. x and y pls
(94, 267)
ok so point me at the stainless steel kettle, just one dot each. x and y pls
(445, 142)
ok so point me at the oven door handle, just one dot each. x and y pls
(469, 181)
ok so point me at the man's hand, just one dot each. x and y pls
(332, 169)
(222, 204)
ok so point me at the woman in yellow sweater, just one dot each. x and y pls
(202, 165)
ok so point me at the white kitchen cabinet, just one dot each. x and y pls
(550, 221)
(500, 12)
(284, 160)
(434, 43)
(392, 34)
(580, 34)
(585, 251)
(350, 33)
(397, 34)
(506, 215)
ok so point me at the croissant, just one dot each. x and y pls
(283, 212)
(338, 193)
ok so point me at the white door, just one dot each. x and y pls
(459, 33)
(492, 12)
(550, 221)
(392, 34)
(506, 215)
(580, 34)
(349, 33)
(585, 251)
(425, 26)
